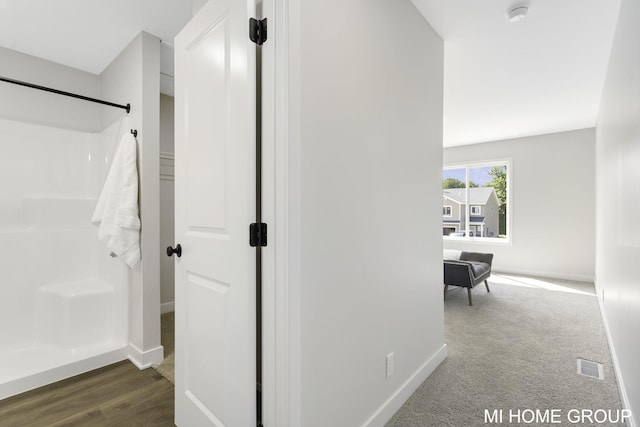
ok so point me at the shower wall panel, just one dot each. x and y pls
(62, 296)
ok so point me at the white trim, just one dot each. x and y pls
(281, 346)
(450, 211)
(499, 241)
(479, 210)
(291, 128)
(167, 307)
(478, 163)
(510, 204)
(631, 422)
(270, 334)
(384, 413)
(145, 359)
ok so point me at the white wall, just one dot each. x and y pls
(369, 158)
(618, 202)
(167, 205)
(552, 204)
(39, 107)
(44, 141)
(134, 76)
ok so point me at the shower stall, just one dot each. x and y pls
(67, 306)
(64, 305)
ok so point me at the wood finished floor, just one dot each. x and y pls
(116, 395)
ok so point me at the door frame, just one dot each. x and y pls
(281, 314)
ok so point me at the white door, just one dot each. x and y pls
(215, 203)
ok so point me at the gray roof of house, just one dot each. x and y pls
(477, 195)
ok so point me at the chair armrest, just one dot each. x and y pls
(477, 256)
(458, 273)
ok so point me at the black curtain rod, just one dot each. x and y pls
(127, 107)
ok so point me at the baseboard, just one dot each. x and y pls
(167, 307)
(631, 422)
(547, 274)
(395, 402)
(145, 359)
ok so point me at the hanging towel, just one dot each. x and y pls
(117, 209)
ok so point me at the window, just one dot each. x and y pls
(479, 193)
(448, 230)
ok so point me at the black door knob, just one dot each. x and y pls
(177, 250)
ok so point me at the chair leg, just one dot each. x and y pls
(445, 291)
(469, 293)
(487, 285)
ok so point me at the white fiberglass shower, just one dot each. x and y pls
(64, 305)
(67, 306)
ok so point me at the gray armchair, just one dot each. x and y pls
(470, 270)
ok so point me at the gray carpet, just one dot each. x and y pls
(516, 349)
(167, 367)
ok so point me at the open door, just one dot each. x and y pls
(215, 185)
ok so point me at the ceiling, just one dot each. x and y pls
(89, 34)
(542, 74)
(503, 80)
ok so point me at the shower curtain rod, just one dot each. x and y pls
(127, 107)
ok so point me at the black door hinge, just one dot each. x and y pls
(258, 234)
(258, 31)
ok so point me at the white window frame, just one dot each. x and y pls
(470, 165)
(479, 208)
(444, 215)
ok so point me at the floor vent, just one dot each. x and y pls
(590, 369)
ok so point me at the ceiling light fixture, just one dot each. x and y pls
(517, 13)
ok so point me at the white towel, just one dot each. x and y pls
(117, 209)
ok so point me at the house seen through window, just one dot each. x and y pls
(475, 201)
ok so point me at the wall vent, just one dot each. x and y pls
(590, 369)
